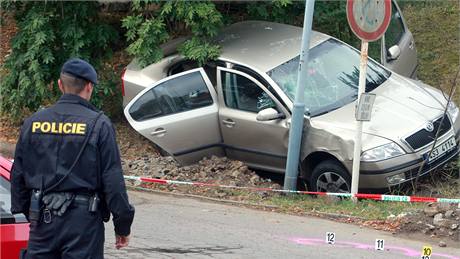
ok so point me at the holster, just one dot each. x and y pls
(36, 207)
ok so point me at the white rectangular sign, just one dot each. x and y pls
(364, 110)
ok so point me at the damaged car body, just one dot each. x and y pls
(240, 105)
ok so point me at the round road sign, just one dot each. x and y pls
(369, 19)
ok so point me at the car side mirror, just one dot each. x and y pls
(269, 114)
(394, 52)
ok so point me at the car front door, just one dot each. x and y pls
(259, 143)
(399, 53)
(180, 115)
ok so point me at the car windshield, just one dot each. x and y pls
(333, 76)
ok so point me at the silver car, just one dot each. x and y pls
(240, 107)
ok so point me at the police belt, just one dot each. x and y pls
(82, 198)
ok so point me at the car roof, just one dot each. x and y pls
(5, 167)
(263, 45)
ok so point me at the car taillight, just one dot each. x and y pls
(123, 82)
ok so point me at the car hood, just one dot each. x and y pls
(401, 107)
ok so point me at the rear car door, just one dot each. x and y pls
(179, 114)
(399, 36)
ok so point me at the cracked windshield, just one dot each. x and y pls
(333, 75)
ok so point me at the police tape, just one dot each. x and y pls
(376, 197)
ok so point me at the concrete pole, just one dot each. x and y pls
(298, 110)
(359, 124)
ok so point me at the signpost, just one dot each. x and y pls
(368, 19)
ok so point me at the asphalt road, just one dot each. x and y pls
(171, 227)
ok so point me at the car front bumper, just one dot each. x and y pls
(377, 175)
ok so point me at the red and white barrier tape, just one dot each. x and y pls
(377, 197)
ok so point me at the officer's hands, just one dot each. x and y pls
(121, 241)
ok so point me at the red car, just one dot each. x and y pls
(14, 229)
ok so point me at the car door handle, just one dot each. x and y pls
(229, 123)
(158, 132)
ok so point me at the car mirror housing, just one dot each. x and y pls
(394, 52)
(269, 114)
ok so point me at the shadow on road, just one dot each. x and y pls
(206, 250)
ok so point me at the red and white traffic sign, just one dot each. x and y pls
(369, 19)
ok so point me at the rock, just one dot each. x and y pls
(391, 217)
(431, 211)
(236, 174)
(443, 206)
(254, 179)
(158, 174)
(438, 219)
(454, 226)
(401, 215)
(431, 227)
(449, 214)
(442, 244)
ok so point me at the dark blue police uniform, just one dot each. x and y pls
(49, 143)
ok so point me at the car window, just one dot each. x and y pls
(5, 196)
(395, 30)
(180, 94)
(5, 205)
(241, 93)
(333, 76)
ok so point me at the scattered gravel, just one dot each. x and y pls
(438, 220)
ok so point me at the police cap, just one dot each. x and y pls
(81, 69)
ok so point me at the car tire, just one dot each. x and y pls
(330, 176)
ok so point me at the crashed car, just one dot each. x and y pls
(240, 106)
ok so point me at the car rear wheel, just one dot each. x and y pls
(330, 176)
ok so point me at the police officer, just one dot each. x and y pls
(67, 174)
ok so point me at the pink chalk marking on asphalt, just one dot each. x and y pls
(342, 244)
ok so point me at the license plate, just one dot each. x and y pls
(442, 149)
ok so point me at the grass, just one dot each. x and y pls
(365, 209)
(436, 29)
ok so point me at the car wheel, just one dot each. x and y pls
(330, 176)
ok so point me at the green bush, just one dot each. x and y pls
(154, 22)
(50, 33)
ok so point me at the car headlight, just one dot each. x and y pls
(453, 110)
(382, 152)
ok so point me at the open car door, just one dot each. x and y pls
(180, 115)
(399, 52)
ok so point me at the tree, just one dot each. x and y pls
(49, 33)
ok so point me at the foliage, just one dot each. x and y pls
(153, 22)
(282, 11)
(49, 33)
(434, 25)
